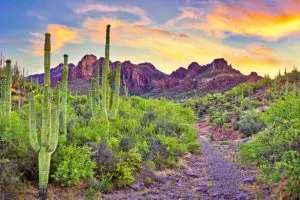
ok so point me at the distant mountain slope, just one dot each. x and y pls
(145, 80)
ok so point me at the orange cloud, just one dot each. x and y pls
(186, 13)
(87, 8)
(252, 18)
(171, 50)
(61, 35)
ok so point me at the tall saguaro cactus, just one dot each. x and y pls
(2, 99)
(64, 98)
(46, 143)
(8, 84)
(110, 103)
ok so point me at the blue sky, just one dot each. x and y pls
(256, 35)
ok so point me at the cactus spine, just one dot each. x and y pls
(64, 98)
(46, 143)
(110, 103)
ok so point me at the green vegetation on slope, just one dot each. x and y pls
(276, 150)
(269, 108)
(140, 133)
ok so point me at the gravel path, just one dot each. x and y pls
(209, 175)
(226, 176)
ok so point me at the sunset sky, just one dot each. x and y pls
(252, 35)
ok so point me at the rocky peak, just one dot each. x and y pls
(85, 68)
(179, 73)
(144, 78)
(147, 65)
(193, 66)
(253, 77)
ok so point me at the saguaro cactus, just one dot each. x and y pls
(46, 143)
(126, 93)
(2, 99)
(64, 98)
(8, 85)
(97, 76)
(110, 103)
(94, 98)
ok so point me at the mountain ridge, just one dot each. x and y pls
(144, 79)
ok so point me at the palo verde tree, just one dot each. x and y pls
(46, 143)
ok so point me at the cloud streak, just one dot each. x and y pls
(169, 49)
(179, 48)
(270, 21)
(61, 35)
(86, 8)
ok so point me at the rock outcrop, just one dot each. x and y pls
(145, 80)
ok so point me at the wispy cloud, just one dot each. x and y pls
(189, 13)
(266, 20)
(180, 48)
(169, 49)
(34, 14)
(9, 41)
(61, 35)
(86, 8)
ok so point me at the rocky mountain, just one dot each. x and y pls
(145, 80)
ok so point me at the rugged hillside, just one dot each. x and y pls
(145, 80)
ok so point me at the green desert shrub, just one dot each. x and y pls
(73, 164)
(276, 149)
(9, 178)
(251, 123)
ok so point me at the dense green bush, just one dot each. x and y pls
(276, 149)
(145, 131)
(73, 164)
(251, 123)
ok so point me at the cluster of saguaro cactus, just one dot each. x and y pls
(19, 80)
(5, 101)
(64, 97)
(46, 143)
(109, 99)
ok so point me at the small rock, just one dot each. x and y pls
(170, 194)
(136, 186)
(178, 184)
(217, 195)
(203, 188)
(191, 174)
(249, 179)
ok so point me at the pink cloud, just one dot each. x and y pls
(86, 8)
(251, 18)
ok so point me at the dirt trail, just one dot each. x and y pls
(209, 175)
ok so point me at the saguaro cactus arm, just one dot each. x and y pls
(94, 97)
(115, 103)
(104, 87)
(33, 138)
(53, 134)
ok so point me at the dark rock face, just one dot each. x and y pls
(144, 79)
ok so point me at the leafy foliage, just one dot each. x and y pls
(276, 149)
(73, 164)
